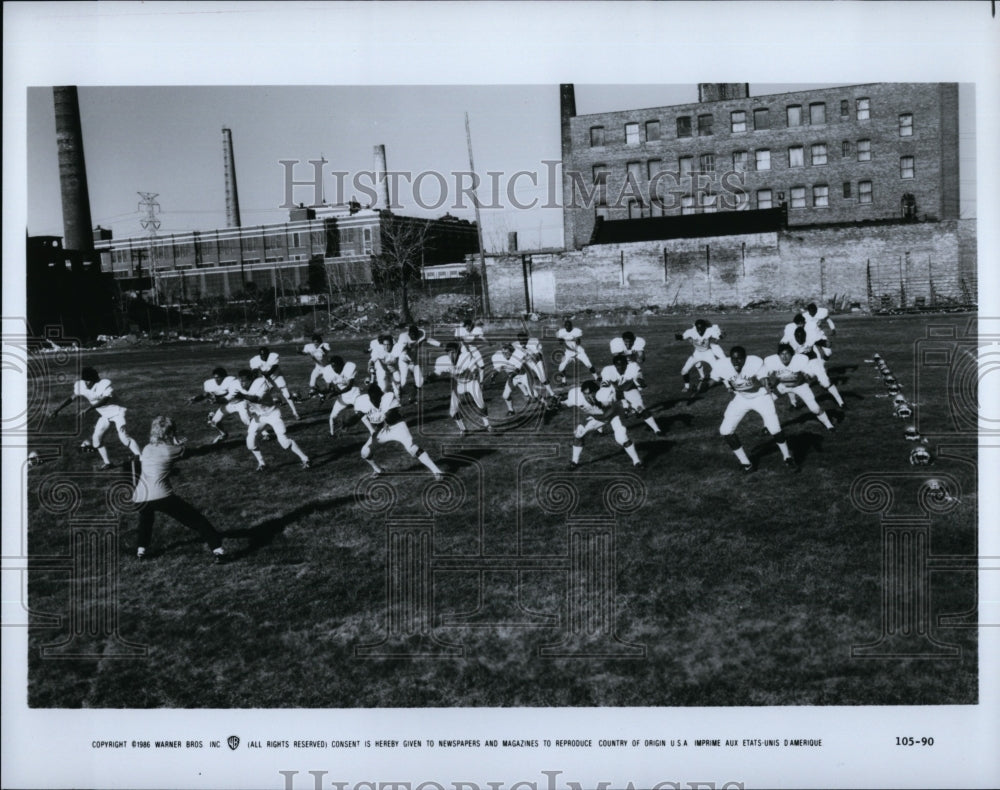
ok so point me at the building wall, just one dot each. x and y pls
(933, 145)
(905, 262)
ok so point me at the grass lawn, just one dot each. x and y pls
(514, 582)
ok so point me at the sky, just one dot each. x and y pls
(167, 140)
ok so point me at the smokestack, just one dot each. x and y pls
(77, 232)
(380, 176)
(567, 112)
(229, 166)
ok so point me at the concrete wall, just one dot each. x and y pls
(786, 266)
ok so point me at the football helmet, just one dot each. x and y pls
(911, 433)
(903, 411)
(920, 456)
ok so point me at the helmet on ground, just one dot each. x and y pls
(903, 411)
(920, 456)
(911, 433)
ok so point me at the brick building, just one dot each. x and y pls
(185, 267)
(879, 151)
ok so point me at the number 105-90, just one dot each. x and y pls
(907, 741)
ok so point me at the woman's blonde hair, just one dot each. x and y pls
(161, 429)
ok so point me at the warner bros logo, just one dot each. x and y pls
(233, 741)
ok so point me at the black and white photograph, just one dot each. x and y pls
(479, 395)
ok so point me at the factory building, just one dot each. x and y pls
(879, 151)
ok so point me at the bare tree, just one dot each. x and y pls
(400, 257)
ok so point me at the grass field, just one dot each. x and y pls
(515, 582)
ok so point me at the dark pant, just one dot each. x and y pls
(175, 507)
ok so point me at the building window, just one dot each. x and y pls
(738, 118)
(633, 174)
(740, 159)
(762, 158)
(864, 108)
(818, 154)
(631, 134)
(601, 212)
(704, 125)
(821, 195)
(764, 199)
(653, 167)
(864, 150)
(687, 204)
(906, 124)
(906, 167)
(685, 164)
(845, 148)
(845, 109)
(601, 183)
(795, 157)
(761, 118)
(798, 195)
(684, 126)
(793, 114)
(634, 209)
(596, 136)
(864, 192)
(706, 163)
(847, 189)
(817, 113)
(708, 203)
(652, 131)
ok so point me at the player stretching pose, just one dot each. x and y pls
(381, 415)
(534, 360)
(743, 376)
(599, 406)
(465, 366)
(100, 395)
(224, 390)
(468, 332)
(702, 336)
(318, 350)
(803, 344)
(573, 349)
(626, 378)
(634, 348)
(510, 363)
(339, 376)
(266, 362)
(407, 355)
(789, 374)
(382, 367)
(815, 337)
(816, 315)
(264, 410)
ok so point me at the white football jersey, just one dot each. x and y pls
(261, 388)
(576, 398)
(744, 382)
(316, 351)
(610, 374)
(94, 395)
(822, 314)
(571, 337)
(703, 342)
(786, 374)
(227, 388)
(532, 348)
(469, 335)
(342, 380)
(618, 346)
(264, 365)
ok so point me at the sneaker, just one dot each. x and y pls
(105, 467)
(306, 464)
(791, 464)
(639, 465)
(573, 466)
(658, 432)
(261, 467)
(749, 468)
(219, 559)
(140, 555)
(686, 388)
(377, 473)
(220, 438)
(438, 477)
(211, 424)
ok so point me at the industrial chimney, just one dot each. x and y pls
(381, 178)
(229, 166)
(77, 231)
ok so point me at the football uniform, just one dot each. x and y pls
(228, 394)
(591, 417)
(385, 423)
(110, 413)
(627, 383)
(749, 394)
(383, 366)
(270, 368)
(534, 360)
(790, 378)
(822, 314)
(572, 349)
(343, 385)
(469, 336)
(634, 353)
(407, 354)
(318, 352)
(514, 369)
(705, 347)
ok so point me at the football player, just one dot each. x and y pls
(223, 390)
(265, 410)
(703, 337)
(464, 364)
(470, 332)
(511, 364)
(573, 350)
(744, 376)
(534, 360)
(816, 315)
(789, 374)
(626, 378)
(267, 364)
(634, 348)
(339, 377)
(381, 414)
(100, 395)
(382, 367)
(407, 355)
(317, 350)
(803, 344)
(597, 406)
(817, 341)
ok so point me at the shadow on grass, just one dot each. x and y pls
(262, 534)
(801, 445)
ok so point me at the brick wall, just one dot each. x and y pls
(793, 265)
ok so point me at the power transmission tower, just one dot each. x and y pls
(150, 223)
